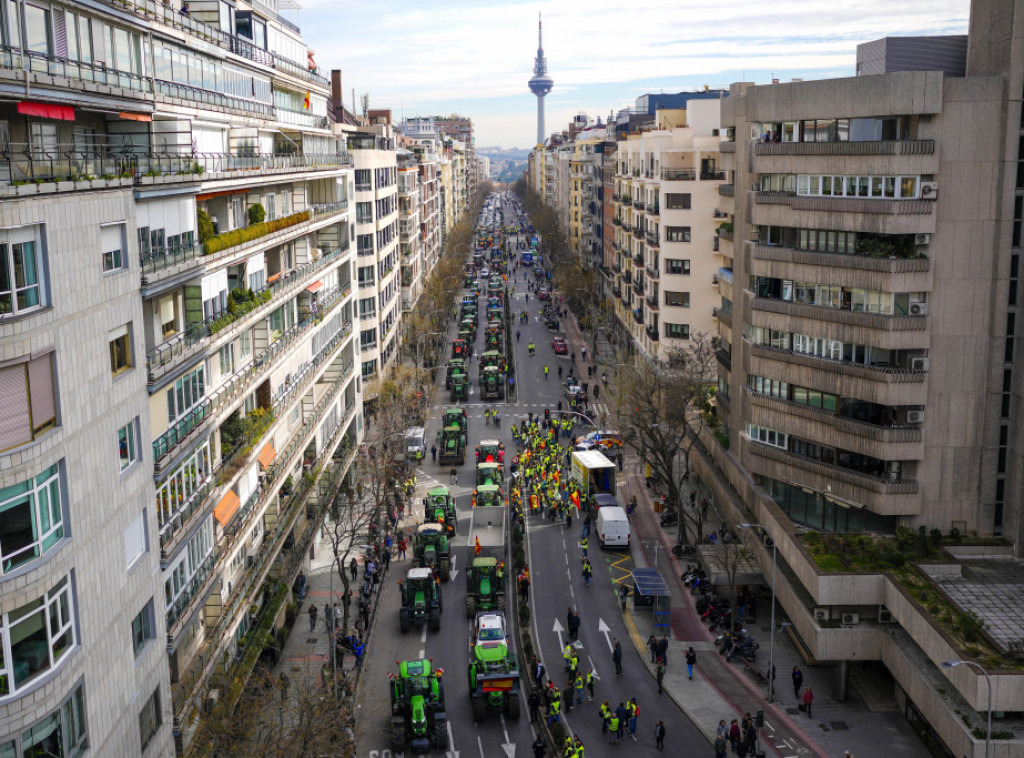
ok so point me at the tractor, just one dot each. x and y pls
(489, 451)
(492, 383)
(451, 444)
(456, 417)
(418, 717)
(459, 387)
(421, 599)
(439, 509)
(494, 342)
(455, 365)
(460, 349)
(490, 358)
(493, 669)
(488, 473)
(468, 325)
(485, 585)
(467, 336)
(431, 549)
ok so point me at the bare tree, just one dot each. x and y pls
(663, 405)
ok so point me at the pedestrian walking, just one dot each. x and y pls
(567, 692)
(808, 700)
(798, 681)
(590, 684)
(312, 617)
(623, 716)
(691, 661)
(613, 728)
(617, 657)
(433, 453)
(721, 746)
(586, 525)
(573, 623)
(538, 673)
(534, 702)
(328, 618)
(734, 735)
(403, 543)
(453, 476)
(663, 649)
(605, 712)
(587, 571)
(633, 709)
(659, 672)
(652, 645)
(282, 684)
(659, 735)
(353, 568)
(539, 748)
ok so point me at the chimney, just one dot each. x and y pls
(336, 95)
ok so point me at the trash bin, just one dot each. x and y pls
(658, 506)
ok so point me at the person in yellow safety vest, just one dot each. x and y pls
(606, 714)
(574, 663)
(568, 749)
(584, 544)
(613, 727)
(554, 705)
(579, 688)
(578, 744)
(567, 655)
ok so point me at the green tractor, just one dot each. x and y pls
(468, 336)
(455, 365)
(490, 358)
(431, 549)
(485, 585)
(492, 384)
(494, 342)
(456, 417)
(418, 717)
(488, 473)
(421, 599)
(460, 348)
(439, 509)
(493, 669)
(468, 325)
(451, 444)
(460, 387)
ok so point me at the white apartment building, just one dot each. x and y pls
(176, 350)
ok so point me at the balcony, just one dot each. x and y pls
(638, 317)
(638, 259)
(652, 302)
(726, 190)
(713, 176)
(727, 147)
(723, 316)
(887, 147)
(654, 210)
(638, 232)
(724, 275)
(678, 174)
(652, 272)
(195, 592)
(725, 358)
(639, 205)
(175, 351)
(652, 239)
(882, 322)
(652, 333)
(638, 287)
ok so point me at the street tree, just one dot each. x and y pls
(664, 405)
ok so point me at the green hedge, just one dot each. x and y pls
(249, 233)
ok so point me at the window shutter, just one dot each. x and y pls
(40, 382)
(14, 421)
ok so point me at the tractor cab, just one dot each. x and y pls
(490, 451)
(488, 473)
(460, 348)
(487, 495)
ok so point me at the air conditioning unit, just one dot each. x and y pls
(919, 309)
(929, 190)
(821, 614)
(922, 239)
(915, 417)
(885, 615)
(850, 619)
(919, 364)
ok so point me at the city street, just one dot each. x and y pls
(557, 584)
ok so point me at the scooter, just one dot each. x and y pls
(747, 650)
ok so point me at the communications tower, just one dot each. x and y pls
(541, 83)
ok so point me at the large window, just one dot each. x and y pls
(681, 299)
(877, 187)
(21, 275)
(187, 392)
(177, 493)
(677, 233)
(150, 718)
(143, 629)
(128, 451)
(28, 405)
(767, 436)
(677, 201)
(676, 331)
(36, 637)
(677, 266)
(188, 571)
(31, 519)
(61, 733)
(120, 349)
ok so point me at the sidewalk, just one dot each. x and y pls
(727, 690)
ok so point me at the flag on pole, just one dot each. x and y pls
(305, 103)
(477, 549)
(575, 497)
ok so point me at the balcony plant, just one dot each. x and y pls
(725, 227)
(257, 214)
(240, 236)
(205, 226)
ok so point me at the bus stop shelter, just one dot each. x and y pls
(650, 591)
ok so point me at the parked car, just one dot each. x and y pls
(602, 439)
(559, 346)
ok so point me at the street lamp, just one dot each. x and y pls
(771, 644)
(988, 681)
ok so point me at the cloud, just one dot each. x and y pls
(470, 54)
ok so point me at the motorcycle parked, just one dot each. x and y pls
(746, 649)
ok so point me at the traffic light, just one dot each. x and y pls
(759, 719)
(547, 414)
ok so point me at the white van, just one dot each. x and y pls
(613, 527)
(415, 443)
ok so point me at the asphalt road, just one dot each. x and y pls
(557, 584)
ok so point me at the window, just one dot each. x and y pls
(150, 718)
(39, 635)
(677, 331)
(176, 494)
(368, 337)
(37, 30)
(20, 272)
(767, 436)
(677, 201)
(112, 247)
(244, 345)
(189, 565)
(31, 520)
(681, 299)
(369, 368)
(120, 349)
(882, 187)
(135, 539)
(61, 733)
(270, 203)
(143, 629)
(128, 451)
(677, 233)
(28, 400)
(677, 266)
(227, 359)
(186, 393)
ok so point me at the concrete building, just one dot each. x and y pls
(182, 264)
(869, 375)
(460, 129)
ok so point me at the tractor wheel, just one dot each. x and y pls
(512, 705)
(397, 734)
(479, 708)
(440, 736)
(446, 569)
(435, 620)
(470, 606)
(403, 620)
(501, 603)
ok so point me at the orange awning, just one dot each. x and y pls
(275, 277)
(267, 455)
(226, 507)
(314, 287)
(135, 116)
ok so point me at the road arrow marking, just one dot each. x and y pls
(558, 629)
(508, 747)
(454, 571)
(604, 629)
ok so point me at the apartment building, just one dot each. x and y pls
(869, 374)
(176, 232)
(460, 129)
(666, 215)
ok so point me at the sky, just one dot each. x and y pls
(475, 57)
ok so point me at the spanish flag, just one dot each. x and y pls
(305, 103)
(575, 497)
(477, 549)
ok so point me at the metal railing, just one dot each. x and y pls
(678, 174)
(193, 590)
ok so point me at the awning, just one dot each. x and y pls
(226, 508)
(267, 455)
(46, 110)
(275, 277)
(315, 287)
(135, 116)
